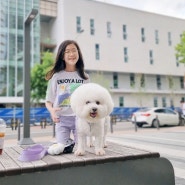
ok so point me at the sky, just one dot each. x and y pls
(172, 8)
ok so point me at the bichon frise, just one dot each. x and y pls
(92, 105)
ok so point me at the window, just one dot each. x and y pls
(156, 36)
(78, 24)
(151, 57)
(161, 111)
(171, 103)
(97, 51)
(155, 102)
(142, 34)
(132, 80)
(92, 30)
(115, 80)
(109, 33)
(169, 39)
(170, 82)
(164, 101)
(177, 62)
(142, 81)
(121, 101)
(124, 32)
(182, 82)
(125, 52)
(158, 81)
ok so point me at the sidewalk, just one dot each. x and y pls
(33, 130)
(118, 130)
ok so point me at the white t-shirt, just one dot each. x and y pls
(60, 87)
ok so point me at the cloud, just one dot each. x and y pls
(174, 8)
(166, 7)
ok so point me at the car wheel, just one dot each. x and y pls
(181, 122)
(139, 124)
(155, 123)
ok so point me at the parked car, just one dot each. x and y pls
(157, 116)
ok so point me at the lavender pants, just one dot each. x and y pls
(64, 128)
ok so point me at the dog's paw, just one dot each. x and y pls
(100, 152)
(79, 152)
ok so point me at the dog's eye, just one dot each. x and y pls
(97, 102)
(87, 102)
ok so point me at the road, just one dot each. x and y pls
(168, 141)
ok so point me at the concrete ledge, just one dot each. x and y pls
(121, 165)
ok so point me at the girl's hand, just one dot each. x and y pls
(54, 116)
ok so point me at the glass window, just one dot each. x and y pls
(172, 104)
(164, 101)
(169, 39)
(142, 81)
(155, 102)
(156, 36)
(124, 32)
(177, 62)
(121, 101)
(170, 82)
(151, 57)
(12, 39)
(92, 30)
(182, 82)
(160, 111)
(78, 24)
(142, 34)
(125, 52)
(115, 80)
(158, 81)
(97, 51)
(109, 32)
(168, 111)
(132, 79)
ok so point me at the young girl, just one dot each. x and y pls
(66, 75)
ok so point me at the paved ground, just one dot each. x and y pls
(168, 141)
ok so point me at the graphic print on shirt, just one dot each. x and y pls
(66, 89)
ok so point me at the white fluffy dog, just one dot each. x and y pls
(92, 105)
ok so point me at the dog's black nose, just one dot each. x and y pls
(94, 109)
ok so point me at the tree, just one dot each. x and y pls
(180, 49)
(38, 82)
(99, 78)
(138, 83)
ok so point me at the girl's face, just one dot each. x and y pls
(71, 57)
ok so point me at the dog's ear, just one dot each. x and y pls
(110, 105)
(109, 102)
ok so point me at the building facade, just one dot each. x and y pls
(12, 16)
(130, 52)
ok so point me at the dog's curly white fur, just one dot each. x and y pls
(92, 105)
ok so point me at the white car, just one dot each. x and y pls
(156, 117)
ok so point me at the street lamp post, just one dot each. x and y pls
(26, 140)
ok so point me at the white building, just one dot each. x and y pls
(133, 50)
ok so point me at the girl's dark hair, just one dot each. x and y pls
(60, 65)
